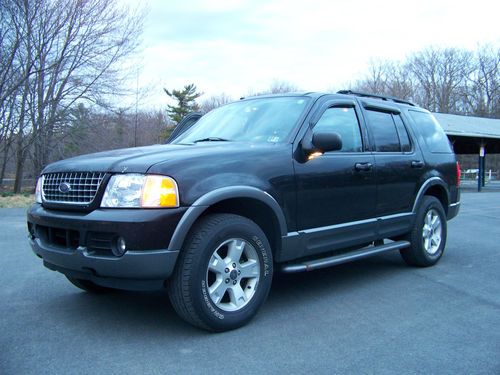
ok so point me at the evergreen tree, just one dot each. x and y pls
(185, 102)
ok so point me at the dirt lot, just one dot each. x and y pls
(16, 200)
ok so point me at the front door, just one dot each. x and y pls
(338, 188)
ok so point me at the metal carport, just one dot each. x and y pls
(472, 135)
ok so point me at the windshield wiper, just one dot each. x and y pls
(211, 139)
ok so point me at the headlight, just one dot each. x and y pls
(38, 190)
(137, 190)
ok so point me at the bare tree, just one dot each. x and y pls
(15, 67)
(375, 80)
(215, 101)
(387, 78)
(67, 51)
(6, 134)
(277, 87)
(79, 44)
(12, 31)
(282, 87)
(441, 75)
(482, 93)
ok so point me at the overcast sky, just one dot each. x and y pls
(239, 46)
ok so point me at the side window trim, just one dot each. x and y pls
(408, 122)
(380, 107)
(398, 130)
(330, 104)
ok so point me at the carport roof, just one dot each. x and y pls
(469, 126)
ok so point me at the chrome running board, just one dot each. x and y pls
(314, 264)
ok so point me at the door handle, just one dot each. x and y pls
(363, 166)
(417, 164)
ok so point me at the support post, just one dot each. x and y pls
(480, 174)
(484, 171)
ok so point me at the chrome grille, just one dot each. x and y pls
(71, 188)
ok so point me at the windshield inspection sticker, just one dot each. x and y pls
(273, 139)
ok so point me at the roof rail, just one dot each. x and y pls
(383, 97)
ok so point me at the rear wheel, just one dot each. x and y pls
(223, 274)
(88, 285)
(428, 237)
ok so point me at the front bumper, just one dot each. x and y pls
(79, 244)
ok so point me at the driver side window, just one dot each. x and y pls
(342, 120)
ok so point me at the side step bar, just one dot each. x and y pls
(311, 265)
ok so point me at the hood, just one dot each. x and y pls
(141, 159)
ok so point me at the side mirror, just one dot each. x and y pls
(325, 142)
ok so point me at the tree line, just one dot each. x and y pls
(446, 80)
(61, 64)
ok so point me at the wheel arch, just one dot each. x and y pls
(255, 204)
(435, 187)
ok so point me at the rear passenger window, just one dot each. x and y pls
(433, 133)
(404, 139)
(384, 131)
(342, 120)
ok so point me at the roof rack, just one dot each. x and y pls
(382, 97)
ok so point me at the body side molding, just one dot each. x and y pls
(313, 241)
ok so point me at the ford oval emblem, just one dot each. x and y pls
(64, 187)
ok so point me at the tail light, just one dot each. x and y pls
(458, 173)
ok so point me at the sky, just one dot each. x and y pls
(238, 47)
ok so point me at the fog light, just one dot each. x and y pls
(120, 247)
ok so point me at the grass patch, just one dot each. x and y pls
(10, 200)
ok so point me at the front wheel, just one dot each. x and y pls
(223, 274)
(428, 237)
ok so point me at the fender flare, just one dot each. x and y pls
(216, 196)
(426, 185)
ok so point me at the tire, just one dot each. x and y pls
(88, 286)
(428, 236)
(223, 274)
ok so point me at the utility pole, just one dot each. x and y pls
(136, 105)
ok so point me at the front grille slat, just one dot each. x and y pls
(83, 187)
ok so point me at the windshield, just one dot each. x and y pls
(257, 120)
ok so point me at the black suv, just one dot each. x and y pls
(290, 182)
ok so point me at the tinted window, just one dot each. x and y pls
(384, 131)
(343, 121)
(404, 139)
(432, 132)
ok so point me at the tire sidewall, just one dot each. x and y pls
(428, 204)
(212, 315)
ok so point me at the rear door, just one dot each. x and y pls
(399, 165)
